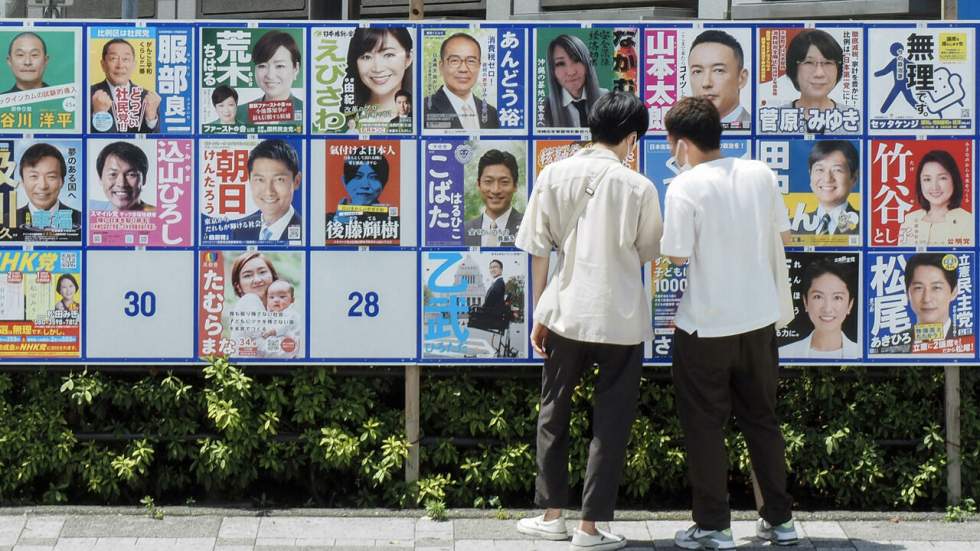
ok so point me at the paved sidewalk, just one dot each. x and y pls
(289, 531)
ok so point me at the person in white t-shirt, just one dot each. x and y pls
(723, 217)
(604, 219)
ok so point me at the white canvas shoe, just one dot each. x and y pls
(541, 528)
(602, 541)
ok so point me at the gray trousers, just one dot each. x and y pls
(614, 408)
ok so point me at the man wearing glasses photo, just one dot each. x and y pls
(454, 105)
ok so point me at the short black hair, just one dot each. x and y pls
(223, 92)
(403, 94)
(266, 47)
(442, 47)
(497, 157)
(70, 278)
(615, 116)
(105, 47)
(696, 120)
(825, 266)
(10, 47)
(928, 259)
(277, 150)
(822, 148)
(723, 38)
(33, 155)
(127, 152)
(945, 160)
(800, 45)
(378, 163)
(501, 264)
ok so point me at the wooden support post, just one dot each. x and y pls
(412, 421)
(954, 486)
(416, 9)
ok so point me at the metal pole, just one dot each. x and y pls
(412, 421)
(128, 9)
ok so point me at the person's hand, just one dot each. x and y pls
(539, 335)
(269, 333)
(151, 106)
(101, 102)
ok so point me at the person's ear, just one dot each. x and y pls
(743, 78)
(297, 179)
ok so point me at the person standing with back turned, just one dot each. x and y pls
(725, 217)
(604, 220)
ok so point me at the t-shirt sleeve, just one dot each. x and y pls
(679, 230)
(780, 212)
(536, 235)
(651, 226)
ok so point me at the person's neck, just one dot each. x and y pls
(823, 103)
(826, 341)
(465, 96)
(493, 215)
(385, 104)
(620, 150)
(267, 222)
(266, 97)
(695, 156)
(937, 213)
(831, 208)
(23, 86)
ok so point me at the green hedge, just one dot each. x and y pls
(857, 438)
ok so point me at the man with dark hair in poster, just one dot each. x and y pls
(497, 224)
(273, 177)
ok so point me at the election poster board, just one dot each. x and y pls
(41, 82)
(40, 304)
(40, 191)
(827, 302)
(140, 79)
(551, 151)
(473, 305)
(810, 80)
(251, 191)
(921, 305)
(475, 192)
(362, 79)
(253, 80)
(922, 80)
(821, 185)
(473, 80)
(140, 192)
(599, 59)
(251, 304)
(703, 61)
(922, 193)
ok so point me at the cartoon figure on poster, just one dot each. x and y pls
(936, 208)
(824, 199)
(256, 72)
(825, 292)
(922, 80)
(938, 289)
(260, 310)
(251, 192)
(574, 67)
(40, 190)
(473, 306)
(476, 192)
(810, 81)
(362, 205)
(40, 83)
(141, 193)
(709, 63)
(40, 304)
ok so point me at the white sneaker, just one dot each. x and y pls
(696, 538)
(541, 528)
(602, 541)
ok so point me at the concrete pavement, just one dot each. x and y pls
(188, 529)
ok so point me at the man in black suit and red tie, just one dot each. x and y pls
(118, 105)
(454, 105)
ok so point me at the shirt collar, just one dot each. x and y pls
(35, 210)
(597, 153)
(567, 98)
(835, 213)
(278, 226)
(733, 115)
(501, 220)
(458, 102)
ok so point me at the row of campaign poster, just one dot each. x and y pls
(481, 79)
(449, 192)
(452, 306)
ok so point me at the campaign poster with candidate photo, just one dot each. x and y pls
(475, 192)
(140, 79)
(921, 80)
(810, 80)
(473, 79)
(547, 152)
(252, 80)
(251, 191)
(40, 190)
(715, 63)
(821, 185)
(921, 305)
(575, 66)
(140, 192)
(362, 79)
(827, 299)
(474, 304)
(252, 304)
(921, 193)
(40, 304)
(41, 81)
(363, 191)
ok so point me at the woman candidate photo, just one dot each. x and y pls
(67, 286)
(828, 299)
(277, 61)
(378, 63)
(940, 220)
(573, 87)
(251, 275)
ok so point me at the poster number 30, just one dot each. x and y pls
(140, 304)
